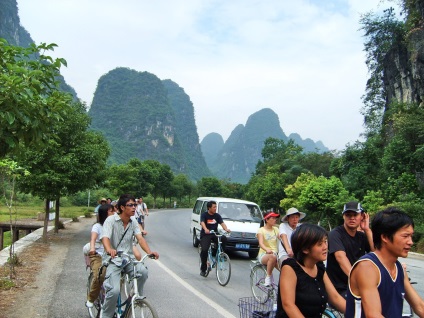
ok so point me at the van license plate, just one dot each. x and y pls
(243, 246)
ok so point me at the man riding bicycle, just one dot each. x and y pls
(118, 231)
(209, 222)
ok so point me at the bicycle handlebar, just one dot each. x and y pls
(219, 235)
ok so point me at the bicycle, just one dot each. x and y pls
(221, 261)
(135, 305)
(94, 312)
(260, 291)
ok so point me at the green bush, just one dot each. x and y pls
(6, 283)
(14, 260)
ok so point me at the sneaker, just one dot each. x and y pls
(89, 304)
(203, 273)
(267, 281)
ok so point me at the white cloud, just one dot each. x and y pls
(301, 58)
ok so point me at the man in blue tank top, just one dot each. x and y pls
(377, 281)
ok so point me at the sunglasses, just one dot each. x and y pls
(131, 205)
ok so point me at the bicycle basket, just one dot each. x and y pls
(251, 308)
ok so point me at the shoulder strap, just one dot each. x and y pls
(128, 226)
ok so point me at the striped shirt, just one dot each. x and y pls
(113, 228)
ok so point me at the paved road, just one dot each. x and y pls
(174, 286)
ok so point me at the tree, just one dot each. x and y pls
(30, 103)
(10, 172)
(293, 191)
(209, 187)
(382, 34)
(73, 159)
(181, 186)
(323, 198)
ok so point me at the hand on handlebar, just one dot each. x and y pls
(112, 253)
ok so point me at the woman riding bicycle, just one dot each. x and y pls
(95, 254)
(268, 243)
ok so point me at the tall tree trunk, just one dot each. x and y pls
(46, 220)
(56, 217)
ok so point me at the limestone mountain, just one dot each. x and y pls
(211, 144)
(15, 34)
(146, 118)
(237, 158)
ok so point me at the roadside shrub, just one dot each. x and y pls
(75, 219)
(61, 226)
(6, 283)
(14, 260)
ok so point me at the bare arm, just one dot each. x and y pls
(108, 247)
(365, 226)
(333, 296)
(288, 282)
(143, 244)
(224, 226)
(203, 225)
(286, 244)
(262, 245)
(343, 261)
(412, 297)
(93, 239)
(364, 280)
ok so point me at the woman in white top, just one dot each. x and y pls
(288, 224)
(96, 252)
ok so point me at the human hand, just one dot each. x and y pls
(290, 252)
(365, 222)
(228, 230)
(156, 254)
(112, 253)
(207, 231)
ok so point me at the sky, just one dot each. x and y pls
(304, 59)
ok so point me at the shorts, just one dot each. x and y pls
(140, 219)
(262, 255)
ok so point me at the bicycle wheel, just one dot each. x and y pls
(208, 266)
(94, 312)
(142, 309)
(223, 269)
(257, 280)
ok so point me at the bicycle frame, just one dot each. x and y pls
(129, 303)
(221, 261)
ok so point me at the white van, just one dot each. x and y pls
(243, 218)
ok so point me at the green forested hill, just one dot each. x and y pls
(186, 130)
(146, 118)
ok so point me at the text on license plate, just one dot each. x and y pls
(243, 246)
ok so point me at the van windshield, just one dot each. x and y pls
(239, 211)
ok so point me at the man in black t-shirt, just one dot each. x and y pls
(209, 222)
(346, 244)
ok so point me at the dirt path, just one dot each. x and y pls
(41, 266)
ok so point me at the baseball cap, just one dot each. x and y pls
(353, 206)
(271, 214)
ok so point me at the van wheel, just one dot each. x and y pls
(195, 239)
(253, 254)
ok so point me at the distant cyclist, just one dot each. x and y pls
(268, 244)
(209, 221)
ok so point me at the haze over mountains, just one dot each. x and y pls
(145, 117)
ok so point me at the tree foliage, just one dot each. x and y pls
(30, 103)
(382, 33)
